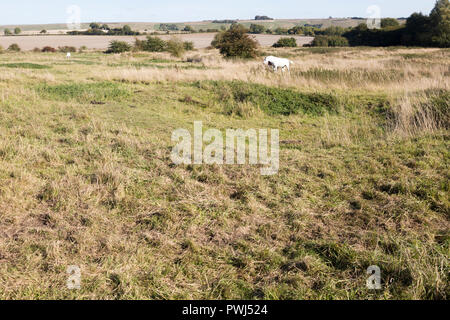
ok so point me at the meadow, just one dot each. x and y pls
(86, 177)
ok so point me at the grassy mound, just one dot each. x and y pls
(274, 101)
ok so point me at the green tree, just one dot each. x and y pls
(440, 23)
(235, 42)
(126, 29)
(7, 32)
(17, 30)
(43, 31)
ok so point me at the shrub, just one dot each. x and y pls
(1, 49)
(17, 31)
(37, 50)
(235, 42)
(43, 31)
(330, 41)
(176, 47)
(7, 32)
(286, 42)
(257, 28)
(48, 49)
(188, 29)
(389, 22)
(189, 46)
(82, 49)
(66, 49)
(281, 31)
(14, 47)
(118, 47)
(154, 44)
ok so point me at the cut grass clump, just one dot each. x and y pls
(274, 101)
(84, 92)
(424, 111)
(24, 66)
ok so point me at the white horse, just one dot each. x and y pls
(276, 63)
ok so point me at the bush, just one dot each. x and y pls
(189, 46)
(281, 31)
(66, 49)
(118, 47)
(154, 44)
(14, 47)
(188, 29)
(7, 32)
(235, 42)
(389, 22)
(176, 47)
(82, 49)
(257, 28)
(330, 41)
(17, 31)
(48, 49)
(286, 42)
(1, 49)
(36, 50)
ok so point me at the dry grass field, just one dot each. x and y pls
(86, 177)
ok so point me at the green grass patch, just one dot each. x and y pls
(85, 92)
(159, 65)
(273, 101)
(25, 65)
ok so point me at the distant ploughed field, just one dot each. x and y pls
(201, 40)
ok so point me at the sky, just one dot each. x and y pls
(55, 11)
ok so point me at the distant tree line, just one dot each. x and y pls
(420, 30)
(96, 29)
(225, 21)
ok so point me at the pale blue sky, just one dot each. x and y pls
(54, 11)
